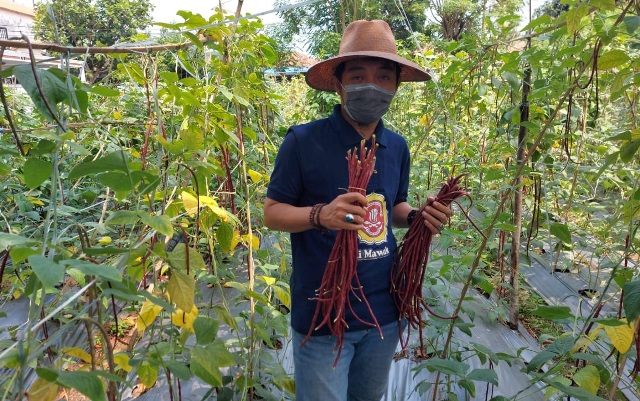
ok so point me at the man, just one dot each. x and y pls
(307, 197)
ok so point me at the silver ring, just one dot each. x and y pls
(348, 218)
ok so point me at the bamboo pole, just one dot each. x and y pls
(21, 44)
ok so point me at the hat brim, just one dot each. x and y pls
(320, 76)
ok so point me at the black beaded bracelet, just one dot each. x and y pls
(314, 216)
(412, 216)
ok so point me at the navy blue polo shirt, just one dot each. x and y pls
(310, 168)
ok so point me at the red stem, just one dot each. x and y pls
(340, 279)
(410, 263)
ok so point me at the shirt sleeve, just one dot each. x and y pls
(285, 185)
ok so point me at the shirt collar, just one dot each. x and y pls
(348, 136)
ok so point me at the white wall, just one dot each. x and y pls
(17, 16)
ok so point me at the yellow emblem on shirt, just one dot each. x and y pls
(375, 222)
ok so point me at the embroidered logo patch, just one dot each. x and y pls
(375, 225)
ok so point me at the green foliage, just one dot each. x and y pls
(150, 193)
(87, 23)
(90, 23)
(322, 30)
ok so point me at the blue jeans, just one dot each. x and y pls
(362, 372)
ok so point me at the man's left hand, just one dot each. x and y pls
(436, 215)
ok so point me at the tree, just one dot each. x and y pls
(322, 23)
(91, 23)
(455, 17)
(551, 7)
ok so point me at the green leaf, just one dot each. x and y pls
(608, 161)
(540, 359)
(562, 345)
(122, 217)
(623, 275)
(206, 362)
(177, 258)
(226, 93)
(270, 54)
(576, 392)
(561, 231)
(574, 17)
(18, 254)
(181, 289)
(447, 366)
(134, 71)
(4, 169)
(104, 271)
(104, 91)
(588, 378)
(193, 139)
(628, 150)
(49, 374)
(206, 329)
(631, 23)
(606, 5)
(161, 224)
(482, 349)
(116, 180)
(596, 361)
(36, 171)
(484, 375)
(194, 39)
(8, 240)
(482, 283)
(7, 72)
(609, 322)
(87, 383)
(553, 312)
(184, 61)
(469, 386)
(148, 374)
(512, 79)
(116, 161)
(178, 369)
(53, 88)
(542, 20)
(464, 327)
(169, 77)
(49, 272)
(224, 235)
(42, 390)
(172, 147)
(551, 391)
(631, 300)
(612, 59)
(80, 101)
(622, 136)
(282, 295)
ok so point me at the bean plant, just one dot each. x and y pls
(132, 227)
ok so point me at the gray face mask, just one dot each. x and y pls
(367, 103)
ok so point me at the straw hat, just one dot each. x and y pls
(364, 39)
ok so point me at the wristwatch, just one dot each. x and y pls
(411, 216)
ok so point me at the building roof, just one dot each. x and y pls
(17, 8)
(13, 57)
